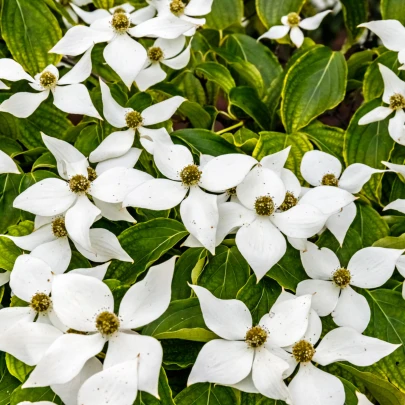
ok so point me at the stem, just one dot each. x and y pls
(239, 124)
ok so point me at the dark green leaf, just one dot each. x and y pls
(393, 10)
(225, 13)
(271, 11)
(218, 74)
(206, 394)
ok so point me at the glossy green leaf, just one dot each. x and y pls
(8, 384)
(271, 11)
(258, 399)
(355, 13)
(206, 394)
(103, 3)
(34, 395)
(218, 74)
(17, 368)
(244, 139)
(393, 10)
(8, 253)
(225, 13)
(9, 185)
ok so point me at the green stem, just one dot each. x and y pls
(239, 124)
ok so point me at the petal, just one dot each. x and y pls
(312, 23)
(340, 222)
(267, 374)
(319, 263)
(115, 184)
(291, 183)
(246, 385)
(62, 150)
(148, 299)
(287, 321)
(90, 16)
(396, 127)
(276, 161)
(13, 71)
(325, 295)
(314, 331)
(315, 387)
(28, 341)
(371, 267)
(79, 219)
(401, 265)
(143, 14)
(38, 237)
(378, 114)
(229, 319)
(115, 385)
(261, 244)
(197, 8)
(297, 36)
(226, 171)
(5, 277)
(180, 61)
(352, 310)
(261, 182)
(199, 213)
(346, 344)
(161, 111)
(126, 57)
(127, 160)
(276, 32)
(64, 359)
(80, 72)
(363, 400)
(391, 33)
(30, 276)
(217, 358)
(113, 112)
(98, 272)
(400, 169)
(7, 164)
(22, 105)
(150, 76)
(113, 212)
(172, 159)
(146, 349)
(315, 164)
(13, 315)
(105, 246)
(156, 194)
(77, 300)
(150, 137)
(392, 83)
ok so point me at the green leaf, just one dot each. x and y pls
(225, 273)
(47, 160)
(106, 4)
(393, 10)
(244, 139)
(178, 354)
(314, 84)
(391, 242)
(182, 320)
(198, 117)
(369, 144)
(218, 74)
(8, 253)
(271, 11)
(260, 296)
(206, 394)
(247, 99)
(354, 13)
(9, 185)
(7, 385)
(34, 395)
(258, 399)
(30, 31)
(145, 243)
(22, 229)
(225, 13)
(17, 368)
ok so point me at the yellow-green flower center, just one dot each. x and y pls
(107, 323)
(330, 180)
(397, 102)
(155, 54)
(119, 10)
(120, 22)
(91, 174)
(256, 337)
(40, 302)
(231, 191)
(79, 184)
(303, 351)
(177, 7)
(289, 201)
(341, 277)
(293, 19)
(47, 80)
(134, 119)
(59, 228)
(264, 206)
(190, 175)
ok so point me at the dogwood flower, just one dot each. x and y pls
(174, 18)
(119, 143)
(331, 283)
(394, 96)
(292, 24)
(169, 52)
(250, 351)
(322, 169)
(69, 94)
(7, 164)
(86, 305)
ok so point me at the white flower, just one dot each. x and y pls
(69, 94)
(370, 267)
(67, 6)
(7, 164)
(52, 197)
(247, 356)
(322, 169)
(392, 35)
(119, 143)
(175, 18)
(292, 22)
(86, 305)
(394, 96)
(167, 51)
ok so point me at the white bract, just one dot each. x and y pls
(322, 169)
(86, 305)
(292, 24)
(394, 96)
(68, 6)
(247, 356)
(7, 164)
(331, 283)
(69, 94)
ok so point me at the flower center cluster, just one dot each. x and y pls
(264, 206)
(190, 175)
(289, 201)
(119, 10)
(231, 191)
(120, 22)
(134, 119)
(79, 184)
(40, 302)
(155, 54)
(256, 336)
(341, 277)
(303, 351)
(91, 174)
(397, 102)
(329, 180)
(59, 228)
(47, 80)
(293, 19)
(107, 323)
(177, 7)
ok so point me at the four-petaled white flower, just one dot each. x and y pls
(331, 283)
(69, 94)
(394, 96)
(292, 24)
